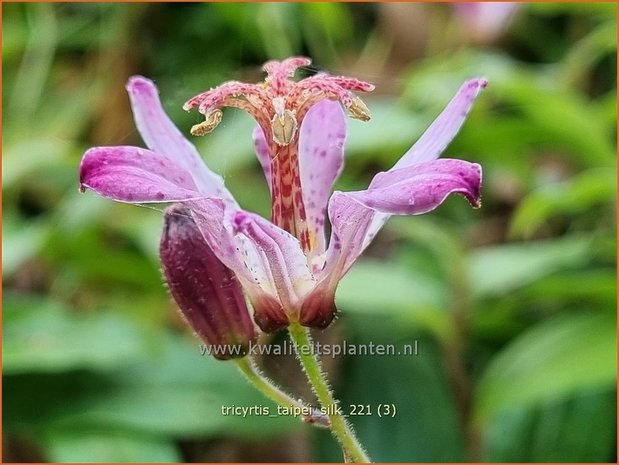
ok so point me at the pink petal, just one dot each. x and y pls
(318, 310)
(262, 152)
(162, 136)
(445, 127)
(213, 221)
(356, 217)
(321, 159)
(276, 252)
(136, 175)
(268, 261)
(269, 314)
(349, 237)
(416, 184)
(350, 221)
(421, 188)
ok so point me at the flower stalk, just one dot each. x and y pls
(253, 374)
(342, 430)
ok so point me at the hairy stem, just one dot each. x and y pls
(263, 384)
(341, 429)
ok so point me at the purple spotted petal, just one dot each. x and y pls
(278, 253)
(213, 221)
(417, 183)
(268, 260)
(444, 128)
(421, 188)
(350, 221)
(136, 175)
(321, 158)
(356, 217)
(318, 309)
(263, 153)
(162, 136)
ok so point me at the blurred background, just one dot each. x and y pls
(513, 305)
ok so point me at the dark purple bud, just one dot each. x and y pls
(208, 293)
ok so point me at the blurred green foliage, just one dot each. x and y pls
(513, 305)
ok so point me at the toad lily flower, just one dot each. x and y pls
(286, 267)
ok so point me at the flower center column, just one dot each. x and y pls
(288, 210)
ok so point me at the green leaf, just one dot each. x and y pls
(21, 241)
(327, 28)
(576, 196)
(31, 155)
(495, 270)
(602, 9)
(121, 263)
(174, 391)
(577, 428)
(109, 447)
(441, 238)
(425, 427)
(570, 122)
(554, 358)
(589, 50)
(279, 29)
(44, 336)
(373, 288)
(594, 287)
(15, 35)
(378, 287)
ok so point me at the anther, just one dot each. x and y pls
(213, 119)
(358, 110)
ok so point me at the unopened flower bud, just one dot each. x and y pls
(208, 293)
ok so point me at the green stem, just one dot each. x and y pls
(341, 429)
(263, 384)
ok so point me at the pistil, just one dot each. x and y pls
(288, 209)
(279, 105)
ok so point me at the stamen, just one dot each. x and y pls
(320, 86)
(213, 119)
(279, 105)
(358, 110)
